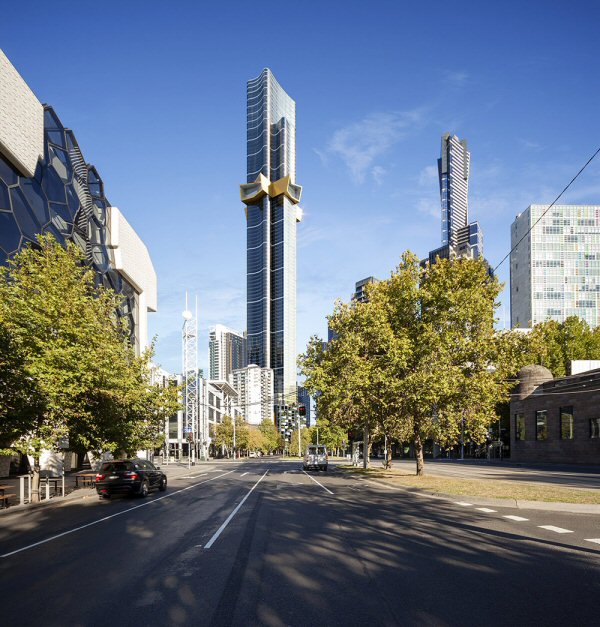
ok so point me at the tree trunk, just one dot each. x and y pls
(366, 447)
(419, 456)
(35, 483)
(388, 455)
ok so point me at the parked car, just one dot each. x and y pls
(129, 476)
(315, 457)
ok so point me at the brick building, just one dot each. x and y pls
(556, 420)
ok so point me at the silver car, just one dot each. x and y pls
(315, 457)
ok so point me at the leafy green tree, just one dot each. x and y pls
(223, 435)
(329, 434)
(271, 437)
(555, 344)
(255, 439)
(420, 360)
(305, 440)
(242, 434)
(81, 378)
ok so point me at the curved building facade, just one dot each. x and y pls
(271, 197)
(46, 186)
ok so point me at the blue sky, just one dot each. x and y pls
(155, 93)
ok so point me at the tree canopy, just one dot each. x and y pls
(72, 375)
(419, 360)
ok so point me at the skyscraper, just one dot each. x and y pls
(459, 237)
(271, 197)
(555, 269)
(226, 352)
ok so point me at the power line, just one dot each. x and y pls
(547, 209)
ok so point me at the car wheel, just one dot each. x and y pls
(144, 489)
(105, 496)
(163, 484)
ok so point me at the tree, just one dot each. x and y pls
(82, 380)
(271, 437)
(305, 440)
(555, 344)
(255, 439)
(329, 434)
(420, 360)
(223, 435)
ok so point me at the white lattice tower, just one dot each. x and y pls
(190, 371)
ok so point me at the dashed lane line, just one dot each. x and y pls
(233, 513)
(243, 474)
(324, 488)
(596, 540)
(555, 529)
(487, 510)
(516, 518)
(125, 511)
(463, 503)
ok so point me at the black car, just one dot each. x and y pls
(129, 476)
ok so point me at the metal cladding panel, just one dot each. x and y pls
(21, 120)
(132, 258)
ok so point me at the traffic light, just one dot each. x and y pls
(301, 410)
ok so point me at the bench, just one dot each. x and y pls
(4, 500)
(87, 478)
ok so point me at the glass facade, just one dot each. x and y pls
(271, 233)
(555, 270)
(65, 197)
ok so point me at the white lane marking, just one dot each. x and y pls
(233, 513)
(463, 503)
(192, 476)
(487, 510)
(243, 474)
(310, 477)
(555, 529)
(596, 540)
(125, 511)
(516, 518)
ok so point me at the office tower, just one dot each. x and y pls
(360, 294)
(46, 186)
(271, 197)
(226, 352)
(555, 270)
(254, 387)
(459, 237)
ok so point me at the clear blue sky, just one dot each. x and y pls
(155, 92)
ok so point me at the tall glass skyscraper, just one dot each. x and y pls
(271, 197)
(459, 237)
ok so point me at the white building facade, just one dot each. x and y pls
(555, 270)
(255, 388)
(226, 349)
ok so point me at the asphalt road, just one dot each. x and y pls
(263, 543)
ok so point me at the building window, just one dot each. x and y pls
(541, 425)
(594, 428)
(566, 423)
(519, 426)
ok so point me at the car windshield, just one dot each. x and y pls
(317, 450)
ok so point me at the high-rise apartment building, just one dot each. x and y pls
(254, 387)
(360, 293)
(225, 352)
(271, 197)
(555, 270)
(459, 237)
